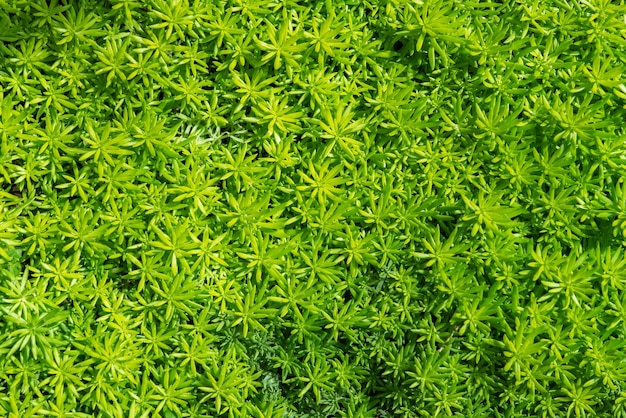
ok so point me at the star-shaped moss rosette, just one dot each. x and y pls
(283, 208)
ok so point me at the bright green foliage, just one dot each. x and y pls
(272, 209)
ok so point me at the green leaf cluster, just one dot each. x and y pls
(409, 208)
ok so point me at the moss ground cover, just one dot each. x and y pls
(285, 208)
